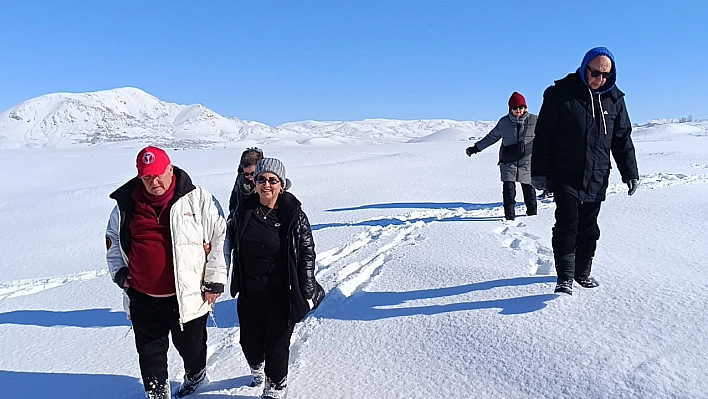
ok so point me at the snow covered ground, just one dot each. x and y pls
(430, 294)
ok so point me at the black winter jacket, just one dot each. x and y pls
(575, 133)
(300, 247)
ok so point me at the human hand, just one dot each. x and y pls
(207, 248)
(122, 278)
(472, 150)
(211, 297)
(539, 182)
(633, 184)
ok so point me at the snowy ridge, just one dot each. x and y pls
(130, 114)
(32, 286)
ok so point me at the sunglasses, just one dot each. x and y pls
(597, 74)
(249, 174)
(519, 107)
(272, 181)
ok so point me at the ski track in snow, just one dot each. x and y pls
(541, 259)
(32, 286)
(353, 266)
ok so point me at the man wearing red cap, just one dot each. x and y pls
(165, 240)
(516, 131)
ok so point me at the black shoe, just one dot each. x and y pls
(274, 390)
(258, 373)
(587, 282)
(157, 390)
(191, 384)
(531, 213)
(564, 287)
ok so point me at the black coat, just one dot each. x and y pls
(575, 133)
(300, 247)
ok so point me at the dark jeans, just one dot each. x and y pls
(153, 320)
(509, 196)
(264, 318)
(575, 235)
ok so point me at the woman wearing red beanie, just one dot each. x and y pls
(516, 130)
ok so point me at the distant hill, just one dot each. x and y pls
(130, 114)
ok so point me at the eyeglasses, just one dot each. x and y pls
(519, 107)
(246, 174)
(597, 74)
(272, 181)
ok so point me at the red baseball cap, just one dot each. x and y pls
(152, 161)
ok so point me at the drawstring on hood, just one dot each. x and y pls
(602, 112)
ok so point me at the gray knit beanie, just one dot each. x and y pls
(274, 166)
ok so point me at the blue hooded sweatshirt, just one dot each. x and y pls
(589, 56)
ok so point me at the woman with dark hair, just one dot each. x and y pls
(273, 272)
(244, 185)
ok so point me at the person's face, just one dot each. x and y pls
(248, 173)
(518, 111)
(158, 184)
(268, 186)
(601, 64)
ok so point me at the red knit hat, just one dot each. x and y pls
(152, 161)
(517, 100)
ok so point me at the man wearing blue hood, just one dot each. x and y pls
(582, 120)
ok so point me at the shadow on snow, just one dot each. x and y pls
(397, 222)
(224, 313)
(373, 305)
(420, 205)
(35, 385)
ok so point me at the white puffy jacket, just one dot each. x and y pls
(195, 219)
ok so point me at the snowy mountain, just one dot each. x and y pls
(123, 114)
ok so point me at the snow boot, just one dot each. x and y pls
(564, 287)
(191, 384)
(587, 282)
(258, 373)
(275, 390)
(510, 211)
(157, 390)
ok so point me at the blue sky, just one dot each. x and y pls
(284, 61)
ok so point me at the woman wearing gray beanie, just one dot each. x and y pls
(273, 257)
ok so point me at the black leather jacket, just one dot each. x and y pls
(300, 248)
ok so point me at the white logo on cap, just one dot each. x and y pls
(148, 158)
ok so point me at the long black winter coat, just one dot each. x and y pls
(300, 247)
(575, 133)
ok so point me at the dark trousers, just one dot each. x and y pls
(509, 196)
(264, 318)
(575, 235)
(153, 320)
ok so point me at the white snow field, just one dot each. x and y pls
(429, 293)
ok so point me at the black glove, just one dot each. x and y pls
(121, 276)
(472, 150)
(633, 184)
(539, 183)
(214, 288)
